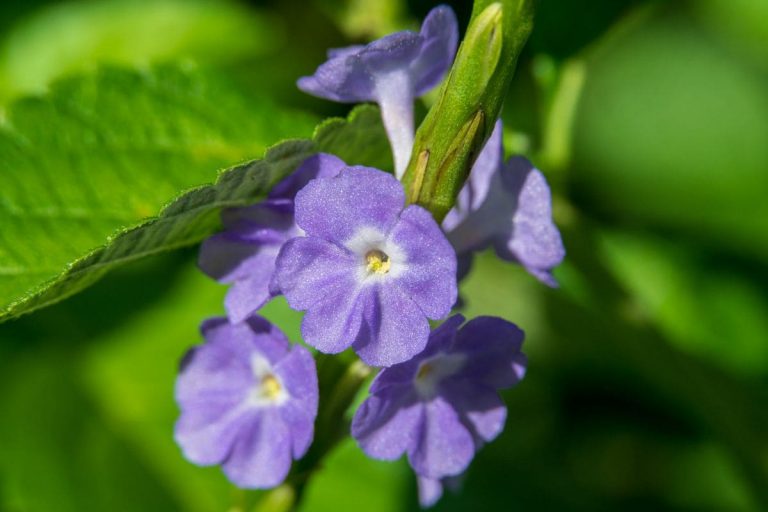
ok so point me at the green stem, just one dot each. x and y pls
(344, 382)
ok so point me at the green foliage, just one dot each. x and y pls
(714, 313)
(676, 142)
(128, 32)
(92, 163)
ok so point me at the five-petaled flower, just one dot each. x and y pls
(391, 71)
(440, 407)
(244, 253)
(509, 207)
(369, 271)
(248, 401)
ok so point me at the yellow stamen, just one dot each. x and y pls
(377, 261)
(270, 387)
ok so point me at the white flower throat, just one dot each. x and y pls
(267, 388)
(380, 258)
(434, 369)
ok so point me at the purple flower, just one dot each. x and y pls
(369, 273)
(508, 207)
(442, 405)
(244, 253)
(391, 71)
(247, 401)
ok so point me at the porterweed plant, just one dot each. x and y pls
(365, 257)
(518, 267)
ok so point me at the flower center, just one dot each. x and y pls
(424, 371)
(267, 389)
(434, 370)
(270, 387)
(377, 261)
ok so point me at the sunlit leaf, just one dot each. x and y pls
(94, 162)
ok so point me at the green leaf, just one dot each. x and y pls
(86, 168)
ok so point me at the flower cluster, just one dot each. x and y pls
(340, 243)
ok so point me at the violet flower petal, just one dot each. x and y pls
(393, 327)
(261, 454)
(440, 33)
(207, 432)
(299, 414)
(431, 262)
(536, 243)
(319, 276)
(245, 254)
(335, 209)
(446, 446)
(431, 489)
(387, 426)
(332, 325)
(440, 339)
(475, 190)
(312, 269)
(479, 407)
(493, 350)
(263, 222)
(318, 166)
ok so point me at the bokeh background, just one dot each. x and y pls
(647, 384)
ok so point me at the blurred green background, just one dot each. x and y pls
(647, 384)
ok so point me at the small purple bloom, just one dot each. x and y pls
(391, 71)
(244, 253)
(442, 405)
(248, 401)
(508, 207)
(369, 272)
